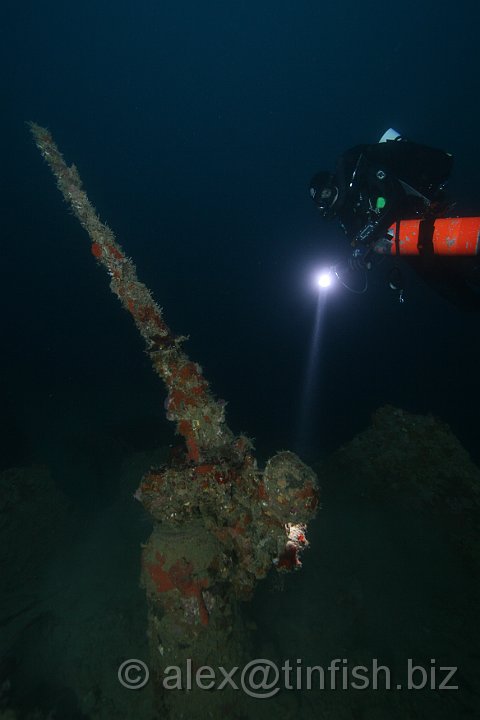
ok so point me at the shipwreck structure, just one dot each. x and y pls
(220, 523)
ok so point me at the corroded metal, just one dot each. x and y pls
(220, 523)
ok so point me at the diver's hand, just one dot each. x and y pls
(360, 259)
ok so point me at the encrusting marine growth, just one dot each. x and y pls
(220, 523)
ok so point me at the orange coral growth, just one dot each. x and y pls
(147, 313)
(204, 469)
(220, 474)
(193, 451)
(262, 491)
(185, 429)
(175, 399)
(179, 577)
(181, 574)
(178, 399)
(115, 252)
(160, 577)
(96, 250)
(189, 371)
(289, 559)
(220, 478)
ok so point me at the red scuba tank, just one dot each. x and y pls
(444, 236)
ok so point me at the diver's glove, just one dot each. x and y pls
(360, 259)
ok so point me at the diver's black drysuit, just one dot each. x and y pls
(381, 184)
(387, 182)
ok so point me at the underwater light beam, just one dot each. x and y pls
(324, 281)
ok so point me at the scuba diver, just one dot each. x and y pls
(377, 186)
